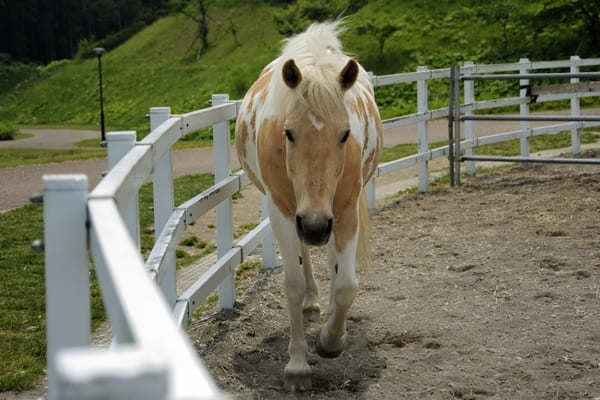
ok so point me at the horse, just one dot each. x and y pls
(309, 136)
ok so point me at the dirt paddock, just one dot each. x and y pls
(490, 291)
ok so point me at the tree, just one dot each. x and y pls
(381, 29)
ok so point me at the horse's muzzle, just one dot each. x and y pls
(314, 231)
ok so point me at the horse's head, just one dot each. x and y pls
(317, 131)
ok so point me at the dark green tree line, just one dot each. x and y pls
(46, 30)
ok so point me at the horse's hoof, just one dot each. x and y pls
(312, 313)
(297, 381)
(326, 353)
(331, 351)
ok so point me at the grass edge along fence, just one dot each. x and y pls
(151, 357)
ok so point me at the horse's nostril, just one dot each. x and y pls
(299, 222)
(329, 224)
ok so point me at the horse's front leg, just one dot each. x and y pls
(297, 371)
(311, 299)
(343, 288)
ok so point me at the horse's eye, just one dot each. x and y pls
(288, 135)
(346, 134)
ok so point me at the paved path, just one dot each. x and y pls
(17, 184)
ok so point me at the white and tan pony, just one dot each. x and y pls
(309, 136)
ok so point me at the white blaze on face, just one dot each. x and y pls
(315, 121)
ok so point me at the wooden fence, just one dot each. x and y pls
(151, 358)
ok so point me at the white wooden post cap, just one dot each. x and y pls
(160, 109)
(121, 136)
(65, 182)
(219, 98)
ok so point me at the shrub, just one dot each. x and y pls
(8, 132)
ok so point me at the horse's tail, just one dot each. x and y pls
(363, 251)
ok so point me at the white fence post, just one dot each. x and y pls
(224, 213)
(575, 108)
(524, 109)
(269, 244)
(119, 144)
(469, 125)
(163, 205)
(67, 269)
(422, 139)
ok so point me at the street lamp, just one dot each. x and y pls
(99, 51)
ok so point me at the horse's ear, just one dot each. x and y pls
(349, 74)
(291, 74)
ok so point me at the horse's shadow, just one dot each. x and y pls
(350, 374)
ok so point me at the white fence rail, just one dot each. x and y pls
(151, 357)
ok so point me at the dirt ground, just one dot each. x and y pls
(489, 291)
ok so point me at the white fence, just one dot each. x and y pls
(151, 358)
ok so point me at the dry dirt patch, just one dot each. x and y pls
(490, 291)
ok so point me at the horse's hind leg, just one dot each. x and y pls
(297, 371)
(311, 297)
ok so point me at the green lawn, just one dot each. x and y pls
(508, 148)
(22, 320)
(19, 157)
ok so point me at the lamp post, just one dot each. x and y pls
(99, 51)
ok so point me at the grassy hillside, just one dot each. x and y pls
(158, 66)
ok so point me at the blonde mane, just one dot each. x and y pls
(318, 54)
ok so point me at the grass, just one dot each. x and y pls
(23, 316)
(185, 187)
(507, 148)
(536, 143)
(94, 143)
(18, 157)
(22, 320)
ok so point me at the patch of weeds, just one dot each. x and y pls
(190, 241)
(202, 245)
(247, 267)
(8, 131)
(237, 196)
(183, 258)
(207, 248)
(210, 329)
(210, 226)
(208, 303)
(243, 229)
